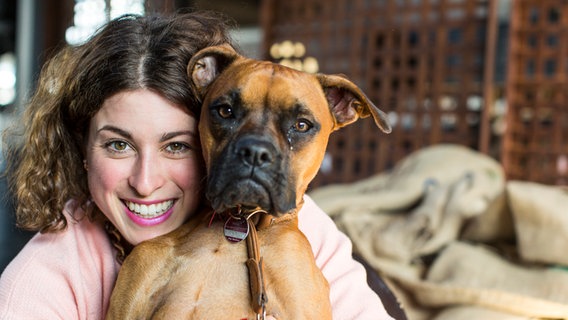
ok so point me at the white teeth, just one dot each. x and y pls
(150, 211)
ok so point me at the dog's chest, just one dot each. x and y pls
(206, 272)
(196, 273)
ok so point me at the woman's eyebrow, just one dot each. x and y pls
(170, 135)
(165, 137)
(116, 130)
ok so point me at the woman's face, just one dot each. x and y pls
(144, 164)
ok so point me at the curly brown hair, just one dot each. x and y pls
(45, 151)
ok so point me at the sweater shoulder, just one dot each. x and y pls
(63, 271)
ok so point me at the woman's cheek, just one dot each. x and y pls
(189, 175)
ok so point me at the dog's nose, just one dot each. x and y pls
(255, 152)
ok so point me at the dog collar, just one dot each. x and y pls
(237, 226)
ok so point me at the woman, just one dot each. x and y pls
(110, 157)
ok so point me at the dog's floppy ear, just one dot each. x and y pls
(207, 64)
(348, 103)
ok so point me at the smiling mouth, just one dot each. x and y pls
(149, 211)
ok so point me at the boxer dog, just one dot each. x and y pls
(264, 129)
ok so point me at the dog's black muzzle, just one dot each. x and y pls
(251, 172)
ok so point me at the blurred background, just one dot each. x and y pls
(488, 74)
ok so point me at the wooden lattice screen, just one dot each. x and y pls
(421, 61)
(535, 145)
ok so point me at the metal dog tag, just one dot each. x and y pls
(236, 230)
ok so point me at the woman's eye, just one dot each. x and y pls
(117, 145)
(177, 147)
(302, 125)
(225, 111)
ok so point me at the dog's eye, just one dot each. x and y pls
(225, 111)
(302, 125)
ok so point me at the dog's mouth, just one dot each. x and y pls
(246, 194)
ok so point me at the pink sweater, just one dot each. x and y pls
(70, 275)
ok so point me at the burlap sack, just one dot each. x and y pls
(541, 221)
(436, 220)
(431, 203)
(471, 275)
(429, 198)
(474, 312)
(404, 185)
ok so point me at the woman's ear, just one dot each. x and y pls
(207, 64)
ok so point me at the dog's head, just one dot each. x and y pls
(264, 127)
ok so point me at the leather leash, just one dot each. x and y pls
(256, 272)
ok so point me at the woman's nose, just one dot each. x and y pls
(146, 176)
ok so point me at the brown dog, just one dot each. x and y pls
(264, 129)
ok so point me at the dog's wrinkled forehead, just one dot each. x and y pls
(266, 85)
